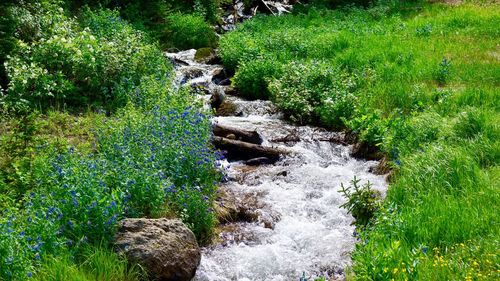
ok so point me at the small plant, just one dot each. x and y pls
(442, 74)
(424, 31)
(362, 201)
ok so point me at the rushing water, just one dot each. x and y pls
(300, 227)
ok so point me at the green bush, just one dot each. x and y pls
(188, 31)
(97, 65)
(313, 91)
(7, 42)
(362, 201)
(253, 76)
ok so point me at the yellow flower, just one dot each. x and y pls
(385, 269)
(395, 270)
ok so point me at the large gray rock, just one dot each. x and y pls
(165, 247)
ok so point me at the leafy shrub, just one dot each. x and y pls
(148, 160)
(315, 91)
(369, 127)
(253, 76)
(7, 42)
(188, 31)
(442, 74)
(100, 64)
(362, 201)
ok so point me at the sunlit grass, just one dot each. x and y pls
(426, 85)
(94, 263)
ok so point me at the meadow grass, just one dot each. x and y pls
(92, 263)
(421, 84)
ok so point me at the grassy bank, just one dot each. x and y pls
(418, 82)
(93, 132)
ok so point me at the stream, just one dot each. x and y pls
(298, 226)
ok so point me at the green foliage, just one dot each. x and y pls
(436, 121)
(97, 65)
(362, 201)
(7, 41)
(94, 263)
(443, 72)
(337, 3)
(147, 161)
(188, 31)
(253, 76)
(315, 91)
(68, 179)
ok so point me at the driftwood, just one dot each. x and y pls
(239, 150)
(237, 134)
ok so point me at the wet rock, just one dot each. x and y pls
(246, 207)
(207, 56)
(228, 108)
(363, 151)
(231, 91)
(258, 161)
(191, 72)
(200, 88)
(165, 247)
(217, 98)
(237, 134)
(381, 168)
(283, 173)
(240, 150)
(221, 78)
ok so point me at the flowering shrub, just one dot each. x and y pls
(146, 161)
(101, 63)
(315, 91)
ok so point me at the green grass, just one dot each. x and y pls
(421, 84)
(93, 264)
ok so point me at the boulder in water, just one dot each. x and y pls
(207, 56)
(165, 247)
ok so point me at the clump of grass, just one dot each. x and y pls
(188, 31)
(93, 263)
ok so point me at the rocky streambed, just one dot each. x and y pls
(281, 217)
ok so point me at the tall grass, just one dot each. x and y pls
(93, 263)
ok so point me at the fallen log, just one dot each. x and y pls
(239, 150)
(239, 134)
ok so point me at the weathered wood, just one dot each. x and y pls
(241, 135)
(239, 150)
